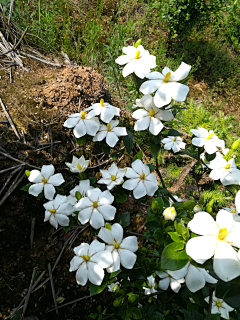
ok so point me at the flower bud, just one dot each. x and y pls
(137, 43)
(27, 172)
(235, 144)
(170, 213)
(197, 208)
(78, 195)
(154, 207)
(108, 226)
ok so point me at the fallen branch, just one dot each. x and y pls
(9, 178)
(24, 163)
(14, 185)
(71, 302)
(32, 232)
(10, 119)
(28, 294)
(11, 168)
(53, 289)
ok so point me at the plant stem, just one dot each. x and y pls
(210, 304)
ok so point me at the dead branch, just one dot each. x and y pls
(10, 119)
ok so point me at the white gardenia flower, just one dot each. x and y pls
(220, 307)
(174, 143)
(104, 109)
(151, 284)
(95, 207)
(113, 287)
(141, 181)
(45, 180)
(137, 60)
(83, 123)
(111, 132)
(224, 170)
(170, 213)
(150, 116)
(78, 165)
(237, 204)
(82, 187)
(90, 260)
(57, 211)
(112, 176)
(207, 139)
(166, 86)
(216, 240)
(122, 250)
(174, 278)
(196, 278)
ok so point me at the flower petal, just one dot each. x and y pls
(35, 176)
(203, 224)
(82, 249)
(140, 191)
(96, 219)
(116, 262)
(80, 129)
(127, 258)
(49, 191)
(47, 171)
(106, 236)
(84, 215)
(117, 232)
(105, 198)
(129, 68)
(62, 219)
(155, 126)
(75, 263)
(194, 279)
(132, 174)
(95, 247)
(182, 72)
(130, 243)
(53, 221)
(201, 248)
(56, 180)
(103, 259)
(224, 219)
(164, 283)
(35, 189)
(71, 122)
(162, 96)
(175, 285)
(150, 86)
(123, 59)
(151, 188)
(82, 274)
(142, 124)
(130, 184)
(95, 273)
(111, 139)
(107, 211)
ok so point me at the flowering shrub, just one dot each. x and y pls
(189, 247)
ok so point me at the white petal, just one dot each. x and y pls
(224, 219)
(194, 279)
(103, 259)
(94, 194)
(107, 211)
(237, 201)
(155, 126)
(140, 191)
(100, 136)
(130, 184)
(140, 113)
(84, 215)
(95, 273)
(59, 200)
(175, 285)
(49, 191)
(133, 174)
(56, 180)
(120, 131)
(106, 115)
(53, 221)
(35, 176)
(233, 237)
(178, 91)
(47, 171)
(116, 262)
(106, 236)
(164, 283)
(105, 198)
(62, 219)
(203, 224)
(207, 276)
(182, 72)
(111, 139)
(75, 263)
(83, 203)
(82, 249)
(150, 86)
(162, 96)
(47, 216)
(95, 247)
(82, 274)
(92, 126)
(130, 50)
(151, 188)
(130, 243)
(127, 258)
(201, 248)
(71, 122)
(225, 262)
(117, 232)
(129, 68)
(198, 142)
(137, 166)
(80, 130)
(123, 59)
(35, 189)
(142, 124)
(96, 220)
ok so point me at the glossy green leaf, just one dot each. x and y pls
(174, 256)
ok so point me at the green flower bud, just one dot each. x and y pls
(197, 208)
(235, 144)
(108, 226)
(154, 207)
(117, 302)
(138, 43)
(78, 195)
(27, 172)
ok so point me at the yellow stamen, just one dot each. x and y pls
(175, 139)
(222, 234)
(210, 136)
(234, 210)
(79, 167)
(101, 102)
(142, 176)
(218, 304)
(83, 114)
(52, 211)
(151, 113)
(116, 245)
(227, 166)
(95, 204)
(86, 258)
(108, 127)
(44, 180)
(113, 177)
(137, 54)
(167, 77)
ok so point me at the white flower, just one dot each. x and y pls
(217, 238)
(224, 170)
(207, 139)
(96, 206)
(150, 289)
(113, 287)
(112, 177)
(83, 186)
(90, 260)
(174, 278)
(122, 250)
(174, 143)
(137, 60)
(111, 132)
(196, 278)
(176, 198)
(141, 181)
(166, 86)
(45, 180)
(57, 211)
(104, 109)
(78, 165)
(219, 306)
(237, 204)
(150, 116)
(82, 123)
(170, 213)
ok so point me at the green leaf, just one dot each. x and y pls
(155, 316)
(114, 156)
(93, 315)
(174, 236)
(71, 223)
(18, 316)
(80, 140)
(121, 198)
(98, 289)
(158, 235)
(174, 256)
(132, 297)
(151, 167)
(152, 225)
(174, 133)
(232, 296)
(160, 202)
(154, 149)
(106, 150)
(92, 180)
(128, 141)
(124, 219)
(114, 274)
(136, 313)
(26, 187)
(139, 155)
(192, 315)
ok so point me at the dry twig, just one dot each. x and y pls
(10, 119)
(28, 294)
(14, 185)
(10, 177)
(53, 289)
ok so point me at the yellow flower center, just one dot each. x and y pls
(142, 176)
(151, 113)
(116, 245)
(222, 234)
(218, 303)
(175, 139)
(234, 210)
(79, 167)
(167, 77)
(108, 127)
(113, 177)
(44, 180)
(137, 54)
(227, 166)
(101, 102)
(53, 211)
(86, 258)
(95, 204)
(83, 114)
(210, 136)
